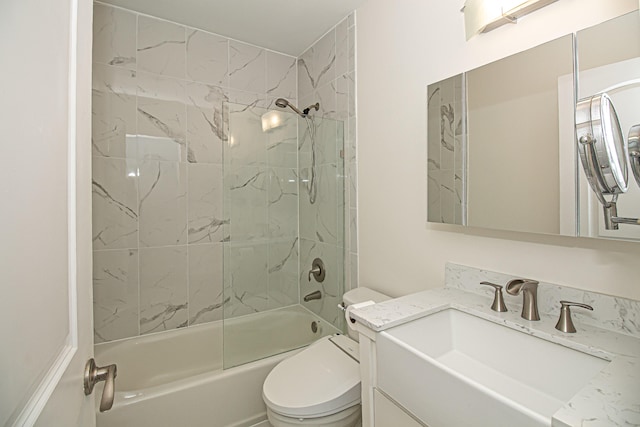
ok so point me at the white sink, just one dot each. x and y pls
(454, 369)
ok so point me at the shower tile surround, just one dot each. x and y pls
(160, 230)
(326, 74)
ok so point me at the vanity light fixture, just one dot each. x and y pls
(482, 16)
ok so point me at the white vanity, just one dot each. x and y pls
(443, 358)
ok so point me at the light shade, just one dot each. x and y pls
(481, 16)
(271, 120)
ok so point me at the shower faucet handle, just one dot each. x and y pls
(498, 300)
(317, 270)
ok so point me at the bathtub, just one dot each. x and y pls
(176, 378)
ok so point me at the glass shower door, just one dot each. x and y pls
(263, 287)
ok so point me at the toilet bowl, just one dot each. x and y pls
(320, 386)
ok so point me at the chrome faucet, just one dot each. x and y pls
(529, 289)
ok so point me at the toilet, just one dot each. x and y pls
(320, 386)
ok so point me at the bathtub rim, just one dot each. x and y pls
(121, 400)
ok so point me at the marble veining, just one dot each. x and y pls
(245, 280)
(619, 315)
(207, 57)
(115, 211)
(113, 112)
(316, 66)
(281, 75)
(115, 288)
(163, 203)
(163, 288)
(205, 275)
(205, 198)
(446, 145)
(161, 118)
(282, 196)
(161, 47)
(247, 67)
(245, 203)
(283, 273)
(207, 124)
(114, 35)
(611, 398)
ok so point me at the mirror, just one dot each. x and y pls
(502, 150)
(608, 74)
(494, 143)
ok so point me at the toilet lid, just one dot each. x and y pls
(319, 381)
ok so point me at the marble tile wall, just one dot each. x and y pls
(261, 202)
(160, 181)
(328, 226)
(446, 147)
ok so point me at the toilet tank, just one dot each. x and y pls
(358, 295)
(362, 294)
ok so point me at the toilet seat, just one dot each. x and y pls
(347, 417)
(329, 377)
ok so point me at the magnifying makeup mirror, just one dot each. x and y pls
(604, 153)
(634, 151)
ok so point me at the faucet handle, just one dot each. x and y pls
(317, 270)
(565, 324)
(498, 300)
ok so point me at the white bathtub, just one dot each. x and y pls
(175, 378)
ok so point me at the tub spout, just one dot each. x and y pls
(312, 296)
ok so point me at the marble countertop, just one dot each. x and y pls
(612, 398)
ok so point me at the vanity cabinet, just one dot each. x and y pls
(378, 408)
(387, 413)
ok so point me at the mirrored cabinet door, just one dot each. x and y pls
(514, 163)
(608, 58)
(527, 144)
(493, 157)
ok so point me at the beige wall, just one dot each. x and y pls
(402, 47)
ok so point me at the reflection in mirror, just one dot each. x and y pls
(498, 165)
(446, 151)
(608, 57)
(634, 152)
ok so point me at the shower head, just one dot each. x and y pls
(283, 103)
